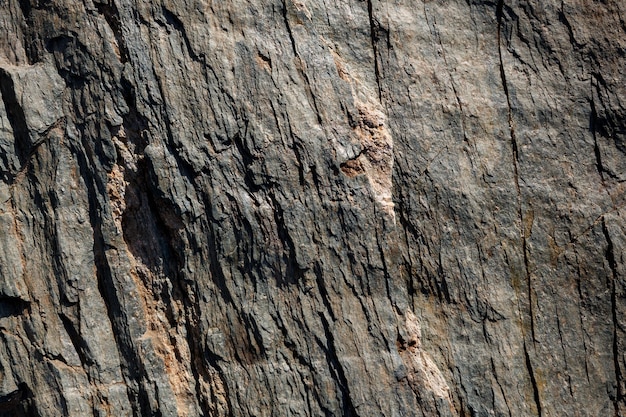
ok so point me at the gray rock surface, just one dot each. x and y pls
(305, 208)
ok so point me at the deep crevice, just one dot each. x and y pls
(78, 343)
(335, 367)
(175, 22)
(131, 368)
(111, 15)
(26, 8)
(533, 381)
(146, 209)
(13, 403)
(319, 278)
(75, 64)
(563, 19)
(16, 116)
(32, 40)
(288, 26)
(13, 307)
(294, 274)
(247, 160)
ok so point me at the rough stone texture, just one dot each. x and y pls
(305, 208)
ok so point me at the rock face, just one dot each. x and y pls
(305, 208)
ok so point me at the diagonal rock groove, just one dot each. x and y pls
(516, 174)
(110, 13)
(16, 117)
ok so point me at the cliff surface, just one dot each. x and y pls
(306, 208)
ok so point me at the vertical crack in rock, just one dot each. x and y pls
(336, 367)
(502, 391)
(515, 159)
(593, 126)
(374, 37)
(523, 231)
(533, 381)
(596, 148)
(610, 258)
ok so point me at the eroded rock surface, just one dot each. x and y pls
(283, 208)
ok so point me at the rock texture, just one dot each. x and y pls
(307, 208)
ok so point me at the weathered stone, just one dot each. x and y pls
(282, 208)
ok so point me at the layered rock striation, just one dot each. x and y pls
(305, 208)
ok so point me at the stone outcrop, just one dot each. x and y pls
(305, 208)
